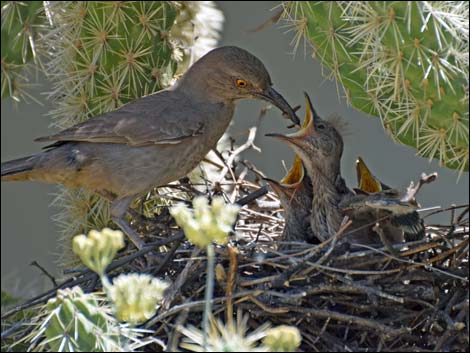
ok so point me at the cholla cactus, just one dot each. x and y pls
(234, 337)
(22, 22)
(404, 61)
(206, 224)
(229, 337)
(197, 29)
(76, 322)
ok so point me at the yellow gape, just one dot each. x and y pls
(365, 179)
(296, 173)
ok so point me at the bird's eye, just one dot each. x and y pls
(321, 126)
(241, 83)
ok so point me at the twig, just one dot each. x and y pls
(180, 280)
(252, 196)
(233, 263)
(359, 321)
(248, 144)
(44, 271)
(412, 190)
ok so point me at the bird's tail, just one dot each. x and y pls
(18, 169)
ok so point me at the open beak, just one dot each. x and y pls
(299, 142)
(273, 97)
(296, 173)
(308, 127)
(366, 181)
(291, 181)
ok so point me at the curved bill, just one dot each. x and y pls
(273, 97)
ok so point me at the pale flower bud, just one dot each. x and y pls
(206, 223)
(283, 339)
(136, 296)
(98, 249)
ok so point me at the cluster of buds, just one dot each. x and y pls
(206, 224)
(98, 249)
(135, 296)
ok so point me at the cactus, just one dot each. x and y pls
(404, 61)
(22, 23)
(74, 321)
(232, 336)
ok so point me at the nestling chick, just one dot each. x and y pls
(295, 195)
(409, 223)
(320, 146)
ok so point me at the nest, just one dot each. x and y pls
(353, 298)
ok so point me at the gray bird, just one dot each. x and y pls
(320, 146)
(153, 140)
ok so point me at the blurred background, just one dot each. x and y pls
(29, 234)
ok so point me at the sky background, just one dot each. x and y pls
(29, 234)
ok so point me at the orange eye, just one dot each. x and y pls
(241, 83)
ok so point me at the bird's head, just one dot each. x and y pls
(288, 188)
(231, 73)
(318, 143)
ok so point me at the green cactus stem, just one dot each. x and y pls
(22, 23)
(403, 61)
(74, 321)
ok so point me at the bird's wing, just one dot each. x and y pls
(411, 224)
(163, 118)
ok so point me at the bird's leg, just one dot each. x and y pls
(385, 241)
(121, 222)
(119, 208)
(106, 195)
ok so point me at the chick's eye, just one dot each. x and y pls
(241, 83)
(321, 126)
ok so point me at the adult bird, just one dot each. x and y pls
(155, 139)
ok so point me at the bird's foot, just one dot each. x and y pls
(385, 241)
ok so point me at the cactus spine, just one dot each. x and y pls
(22, 22)
(75, 321)
(404, 61)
